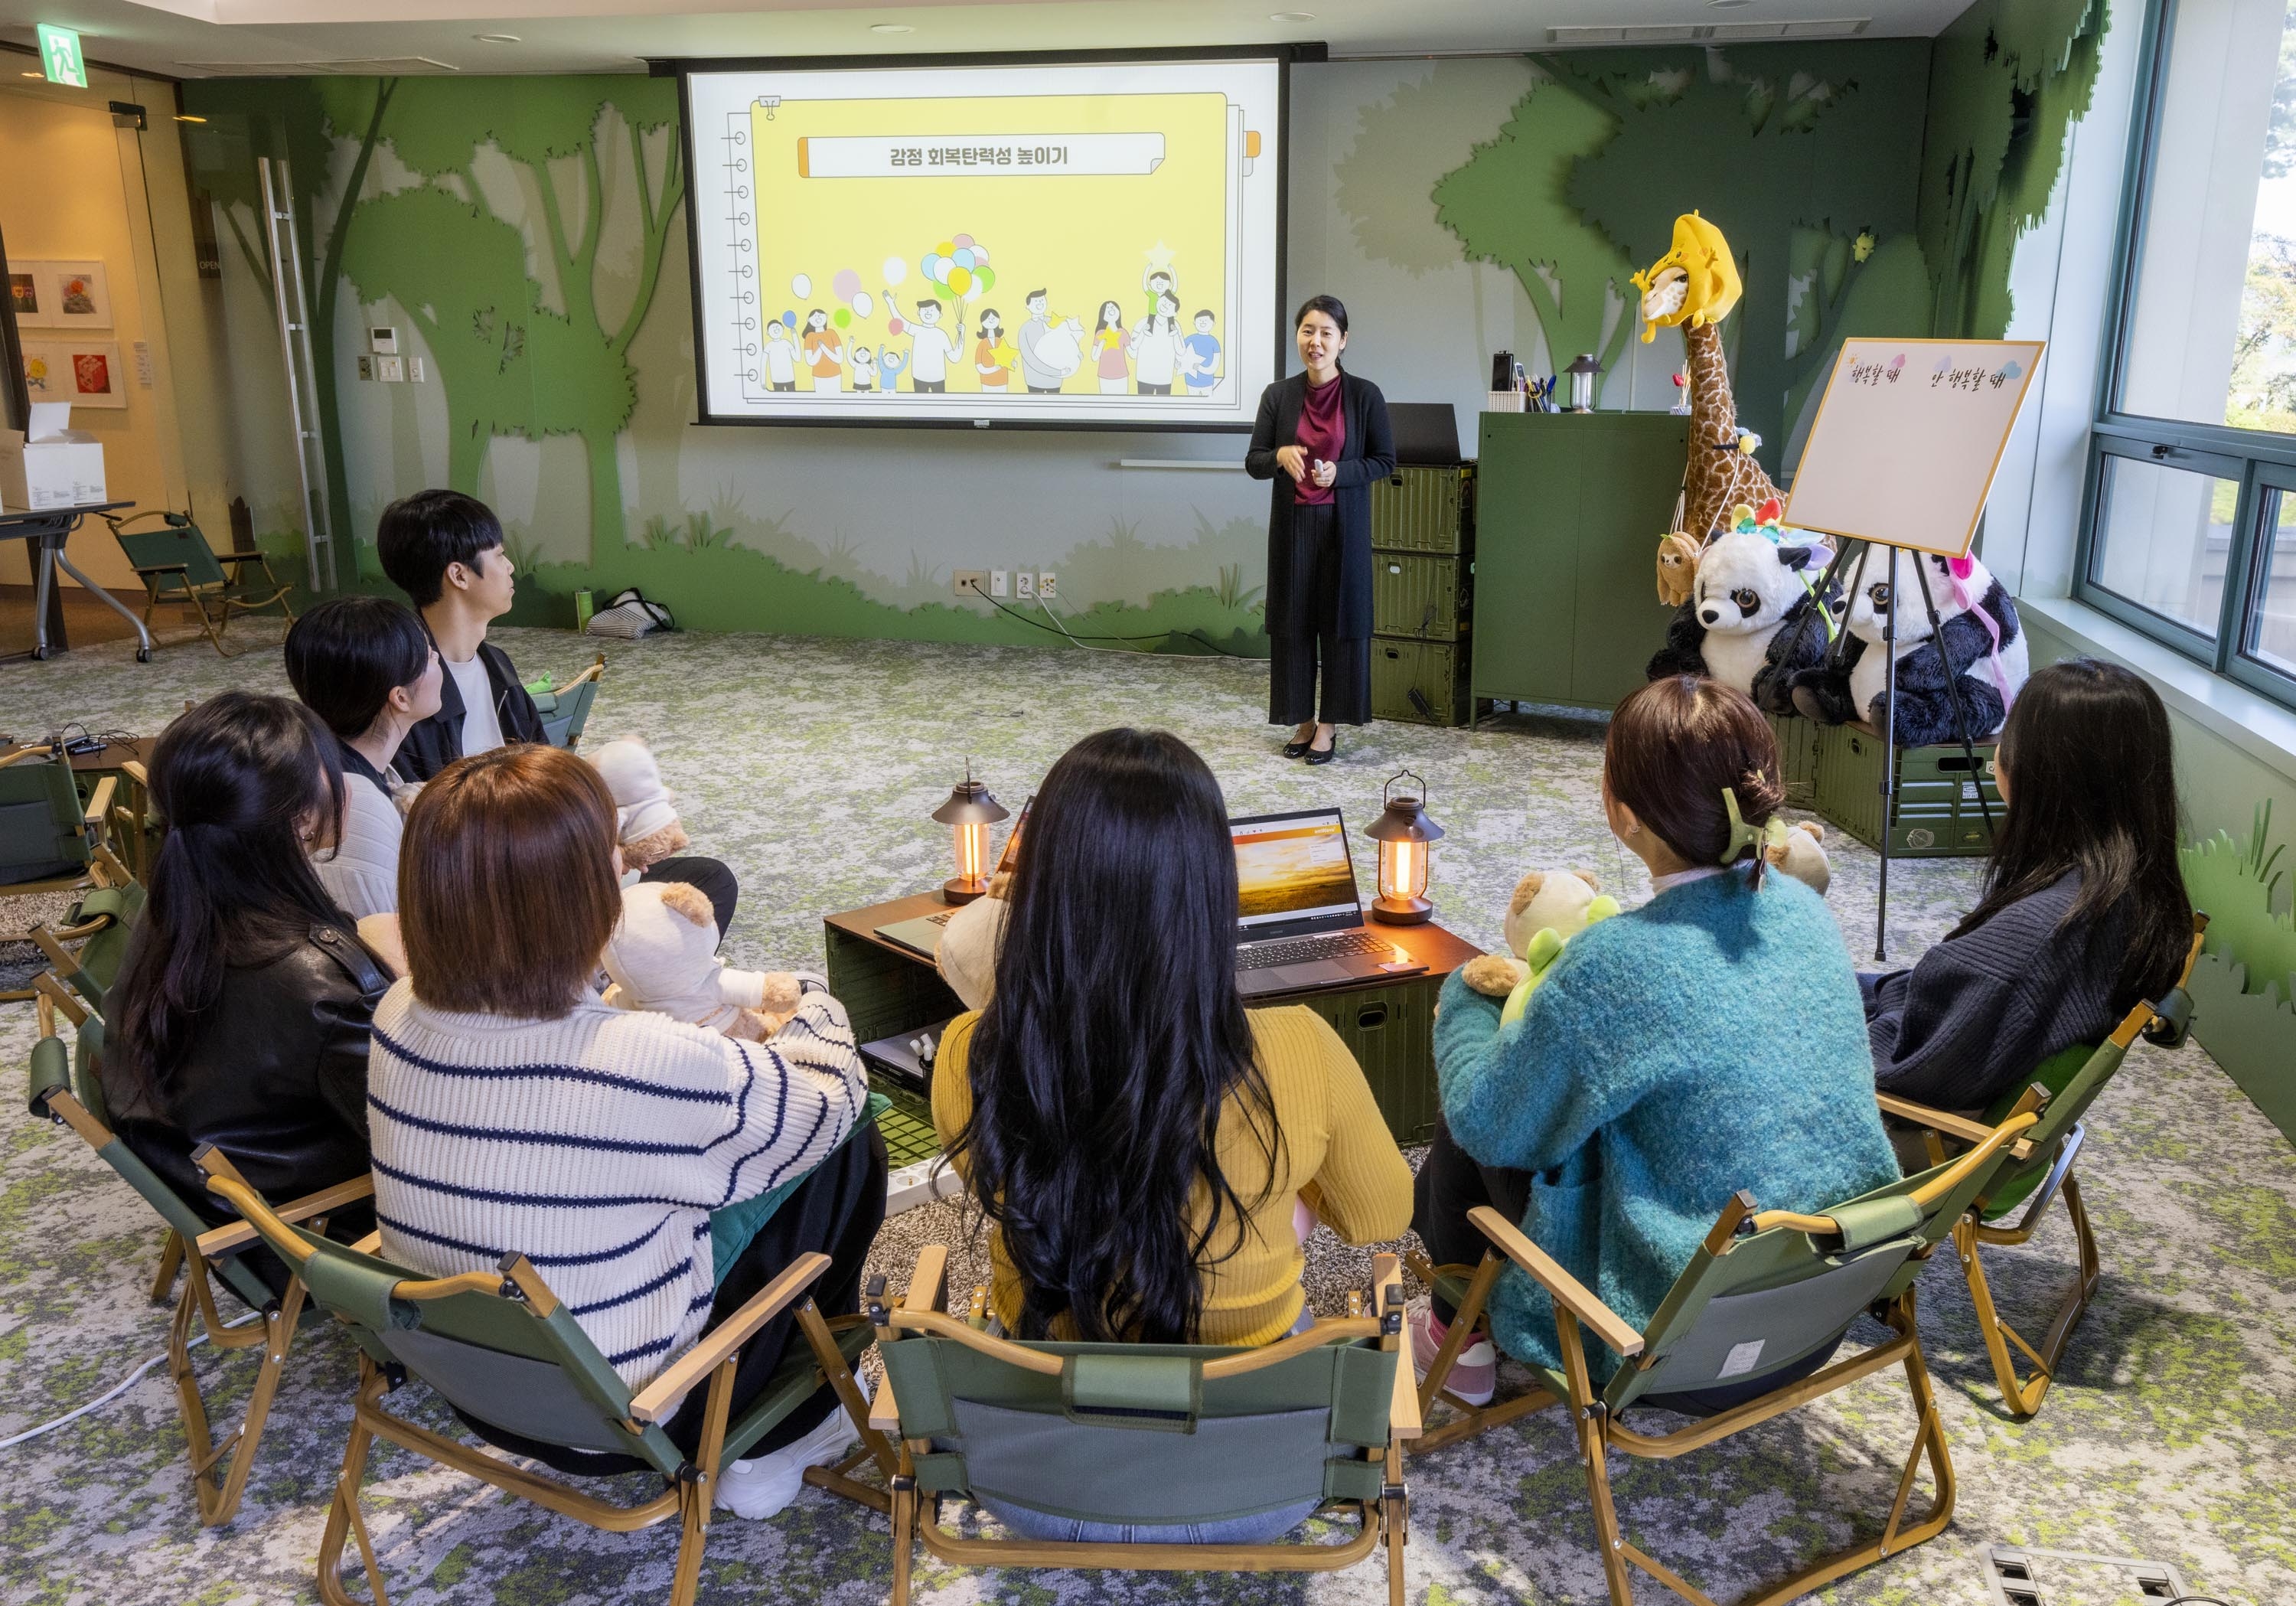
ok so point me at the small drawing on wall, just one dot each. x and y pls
(32, 304)
(86, 374)
(80, 297)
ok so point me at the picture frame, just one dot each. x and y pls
(28, 288)
(79, 295)
(86, 374)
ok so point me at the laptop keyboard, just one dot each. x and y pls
(1266, 956)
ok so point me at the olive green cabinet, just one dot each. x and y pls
(1568, 511)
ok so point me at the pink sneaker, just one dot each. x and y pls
(1474, 1375)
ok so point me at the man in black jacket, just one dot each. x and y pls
(445, 550)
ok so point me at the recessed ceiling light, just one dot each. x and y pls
(496, 38)
(182, 116)
(1722, 5)
(890, 28)
(1291, 16)
(31, 75)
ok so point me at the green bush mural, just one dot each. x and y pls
(2244, 986)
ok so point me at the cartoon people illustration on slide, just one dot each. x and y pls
(864, 371)
(931, 346)
(824, 352)
(1156, 346)
(890, 364)
(781, 357)
(1111, 345)
(1051, 350)
(1200, 354)
(993, 356)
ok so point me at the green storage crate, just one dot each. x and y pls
(1391, 1033)
(1424, 683)
(1425, 510)
(1939, 808)
(884, 994)
(1419, 596)
(1799, 740)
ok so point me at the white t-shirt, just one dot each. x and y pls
(930, 353)
(781, 362)
(481, 726)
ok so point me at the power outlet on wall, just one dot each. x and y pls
(1026, 584)
(1000, 582)
(1045, 586)
(970, 582)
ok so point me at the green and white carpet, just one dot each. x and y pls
(811, 766)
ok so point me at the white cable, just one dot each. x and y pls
(122, 1387)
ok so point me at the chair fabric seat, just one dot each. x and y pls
(2056, 1073)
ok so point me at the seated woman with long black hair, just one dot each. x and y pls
(2084, 912)
(242, 1013)
(1137, 1138)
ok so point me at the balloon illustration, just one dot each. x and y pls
(846, 283)
(960, 241)
(841, 318)
(801, 287)
(960, 279)
(896, 325)
(865, 304)
(896, 271)
(789, 317)
(960, 266)
(964, 257)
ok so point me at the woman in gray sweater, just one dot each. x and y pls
(2084, 911)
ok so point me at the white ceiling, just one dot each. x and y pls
(196, 39)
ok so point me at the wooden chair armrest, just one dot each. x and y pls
(928, 1280)
(596, 672)
(238, 1235)
(99, 804)
(1403, 1412)
(1936, 1120)
(884, 1415)
(52, 992)
(1566, 1291)
(371, 1244)
(658, 1399)
(21, 754)
(134, 769)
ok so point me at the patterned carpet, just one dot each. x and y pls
(811, 766)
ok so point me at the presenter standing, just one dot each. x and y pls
(1322, 437)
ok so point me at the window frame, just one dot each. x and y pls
(2259, 461)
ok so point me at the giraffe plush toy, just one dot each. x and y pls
(1695, 286)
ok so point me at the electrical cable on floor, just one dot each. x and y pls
(1056, 626)
(113, 1393)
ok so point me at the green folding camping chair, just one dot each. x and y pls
(499, 1346)
(1144, 1433)
(565, 709)
(208, 1255)
(2074, 1078)
(1766, 1290)
(50, 839)
(87, 950)
(176, 565)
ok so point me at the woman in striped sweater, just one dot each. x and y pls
(643, 1165)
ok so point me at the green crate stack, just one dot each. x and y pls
(1799, 740)
(884, 994)
(1423, 537)
(1939, 811)
(1391, 1031)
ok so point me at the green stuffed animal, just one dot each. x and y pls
(1548, 909)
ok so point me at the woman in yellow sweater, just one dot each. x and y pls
(1135, 1137)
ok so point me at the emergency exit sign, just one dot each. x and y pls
(59, 54)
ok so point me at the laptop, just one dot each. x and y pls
(1299, 922)
(922, 934)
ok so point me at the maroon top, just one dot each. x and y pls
(1323, 432)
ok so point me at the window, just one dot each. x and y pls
(2190, 527)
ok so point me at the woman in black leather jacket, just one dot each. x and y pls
(241, 1016)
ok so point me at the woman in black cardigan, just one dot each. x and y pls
(1333, 439)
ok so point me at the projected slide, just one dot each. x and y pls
(1026, 244)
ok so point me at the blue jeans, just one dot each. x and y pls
(1261, 1529)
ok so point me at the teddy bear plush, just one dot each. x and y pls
(1750, 591)
(1801, 854)
(663, 957)
(966, 958)
(1979, 652)
(1678, 568)
(1548, 909)
(645, 821)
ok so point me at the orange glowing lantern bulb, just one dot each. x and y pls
(1403, 832)
(970, 811)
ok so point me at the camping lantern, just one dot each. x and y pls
(970, 810)
(1403, 832)
(1582, 382)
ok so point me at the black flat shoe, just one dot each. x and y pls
(1294, 749)
(1325, 755)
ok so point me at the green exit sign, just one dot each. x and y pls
(59, 54)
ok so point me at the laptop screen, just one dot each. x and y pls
(1292, 866)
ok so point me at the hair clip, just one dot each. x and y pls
(1771, 833)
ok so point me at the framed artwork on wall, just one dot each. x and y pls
(28, 289)
(85, 374)
(77, 295)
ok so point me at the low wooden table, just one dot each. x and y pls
(127, 830)
(1388, 1024)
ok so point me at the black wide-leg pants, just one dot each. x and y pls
(1295, 655)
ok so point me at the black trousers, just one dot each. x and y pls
(1303, 634)
(716, 881)
(1451, 1182)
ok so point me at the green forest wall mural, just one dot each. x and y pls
(526, 237)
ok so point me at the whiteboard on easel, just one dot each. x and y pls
(1907, 439)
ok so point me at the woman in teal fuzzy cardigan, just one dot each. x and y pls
(1712, 1040)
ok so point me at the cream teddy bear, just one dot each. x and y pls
(663, 957)
(1548, 909)
(1802, 855)
(966, 958)
(645, 823)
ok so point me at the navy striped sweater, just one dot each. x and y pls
(596, 1145)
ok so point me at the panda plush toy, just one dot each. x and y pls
(1747, 622)
(1979, 651)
